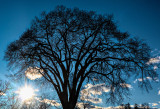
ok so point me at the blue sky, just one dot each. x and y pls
(141, 18)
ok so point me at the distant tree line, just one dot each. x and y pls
(136, 106)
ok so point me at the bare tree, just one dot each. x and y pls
(127, 106)
(122, 106)
(13, 102)
(10, 100)
(73, 46)
(145, 106)
(136, 106)
(4, 87)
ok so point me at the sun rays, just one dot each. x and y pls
(26, 93)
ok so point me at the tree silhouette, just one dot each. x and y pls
(135, 106)
(145, 106)
(73, 46)
(127, 106)
(122, 106)
(4, 87)
(13, 102)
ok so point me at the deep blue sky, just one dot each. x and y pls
(141, 18)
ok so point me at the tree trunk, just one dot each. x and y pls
(69, 105)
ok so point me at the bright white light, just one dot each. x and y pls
(26, 93)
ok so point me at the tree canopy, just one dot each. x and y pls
(73, 46)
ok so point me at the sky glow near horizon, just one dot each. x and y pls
(140, 18)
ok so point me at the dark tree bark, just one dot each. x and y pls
(72, 46)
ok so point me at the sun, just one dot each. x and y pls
(26, 93)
